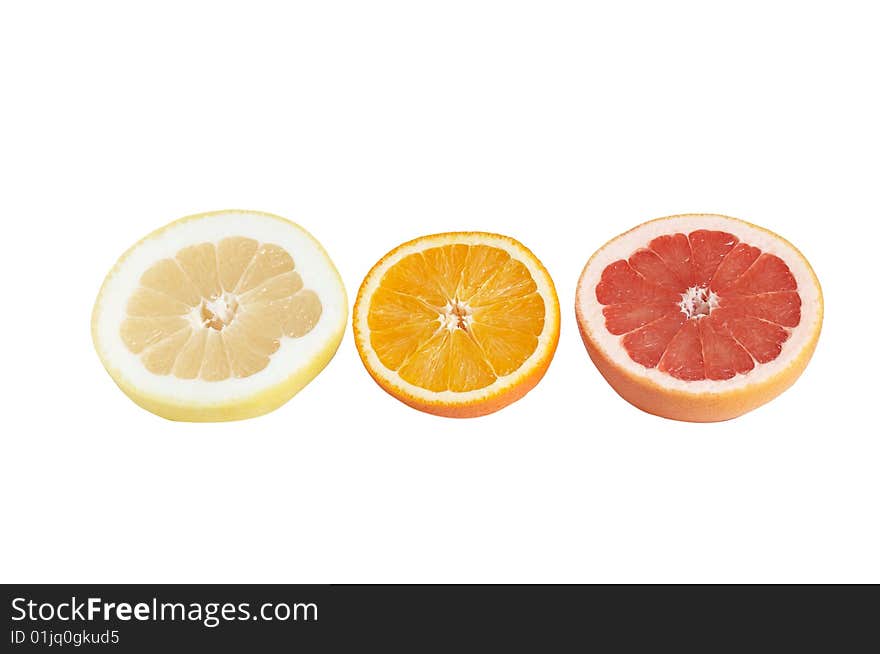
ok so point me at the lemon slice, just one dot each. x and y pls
(219, 316)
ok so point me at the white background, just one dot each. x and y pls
(561, 124)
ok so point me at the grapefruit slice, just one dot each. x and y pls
(219, 316)
(459, 324)
(699, 317)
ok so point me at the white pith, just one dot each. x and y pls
(592, 319)
(312, 264)
(455, 315)
(222, 307)
(697, 302)
(545, 339)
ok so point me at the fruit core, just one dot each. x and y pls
(456, 315)
(698, 301)
(702, 305)
(217, 310)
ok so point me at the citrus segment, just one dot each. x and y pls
(199, 264)
(708, 250)
(215, 361)
(504, 349)
(733, 266)
(699, 317)
(457, 324)
(166, 276)
(675, 252)
(234, 255)
(723, 356)
(191, 357)
(647, 344)
(211, 317)
(524, 314)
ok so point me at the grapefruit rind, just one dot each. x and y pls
(294, 365)
(705, 400)
(506, 389)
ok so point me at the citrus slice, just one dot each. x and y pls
(699, 317)
(459, 324)
(219, 316)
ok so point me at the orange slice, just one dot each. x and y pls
(459, 324)
(219, 316)
(699, 317)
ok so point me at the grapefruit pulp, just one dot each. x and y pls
(699, 317)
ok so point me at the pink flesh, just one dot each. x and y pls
(757, 305)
